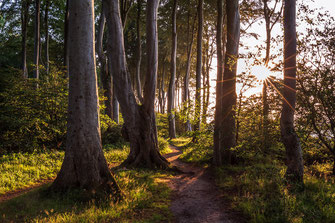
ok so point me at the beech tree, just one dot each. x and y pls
(227, 139)
(140, 120)
(46, 25)
(24, 23)
(198, 68)
(186, 91)
(139, 51)
(295, 167)
(172, 85)
(84, 164)
(218, 108)
(37, 39)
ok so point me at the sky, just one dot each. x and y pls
(327, 5)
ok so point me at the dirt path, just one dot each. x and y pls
(196, 199)
(13, 194)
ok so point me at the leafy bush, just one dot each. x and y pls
(33, 113)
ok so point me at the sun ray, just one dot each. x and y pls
(276, 89)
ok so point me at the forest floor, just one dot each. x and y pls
(195, 198)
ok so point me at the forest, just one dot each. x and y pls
(188, 111)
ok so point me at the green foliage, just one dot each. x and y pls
(163, 145)
(162, 125)
(19, 170)
(259, 191)
(33, 113)
(200, 150)
(146, 200)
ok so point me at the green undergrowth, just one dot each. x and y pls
(21, 170)
(196, 151)
(146, 200)
(146, 197)
(255, 185)
(260, 192)
(181, 141)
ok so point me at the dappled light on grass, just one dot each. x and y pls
(146, 199)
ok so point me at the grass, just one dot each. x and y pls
(195, 152)
(256, 186)
(147, 198)
(20, 170)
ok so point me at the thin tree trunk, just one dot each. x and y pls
(229, 81)
(218, 108)
(198, 68)
(295, 168)
(140, 120)
(186, 97)
(24, 24)
(265, 114)
(139, 52)
(172, 85)
(163, 90)
(104, 70)
(116, 112)
(46, 23)
(84, 165)
(66, 37)
(37, 39)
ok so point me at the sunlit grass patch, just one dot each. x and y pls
(19, 170)
(181, 141)
(260, 192)
(146, 200)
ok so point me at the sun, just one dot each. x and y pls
(260, 72)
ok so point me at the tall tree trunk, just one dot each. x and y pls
(140, 120)
(46, 24)
(229, 81)
(104, 69)
(66, 37)
(218, 108)
(125, 6)
(37, 39)
(24, 24)
(186, 97)
(139, 52)
(84, 165)
(163, 90)
(265, 115)
(268, 31)
(295, 168)
(172, 85)
(198, 68)
(116, 112)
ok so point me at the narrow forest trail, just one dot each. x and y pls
(195, 197)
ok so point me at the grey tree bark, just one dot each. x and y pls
(186, 94)
(198, 67)
(295, 167)
(139, 52)
(218, 108)
(24, 23)
(229, 81)
(66, 37)
(140, 120)
(84, 165)
(37, 38)
(172, 85)
(46, 24)
(106, 78)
